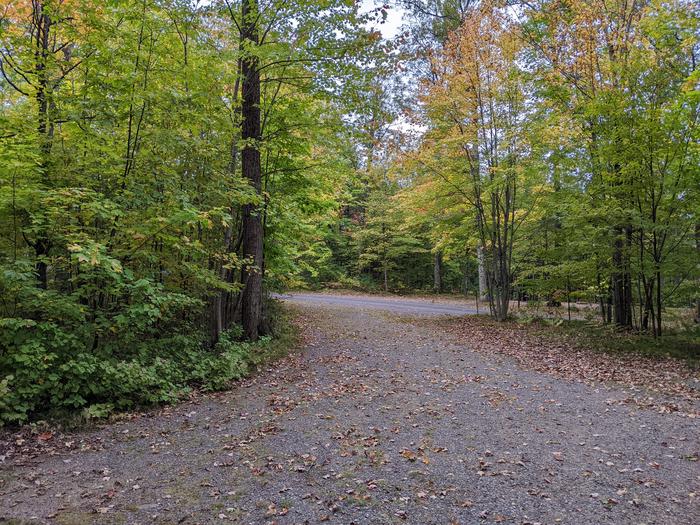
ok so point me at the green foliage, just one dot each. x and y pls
(559, 174)
(589, 140)
(387, 249)
(121, 195)
(55, 354)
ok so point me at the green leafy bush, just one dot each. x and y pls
(58, 352)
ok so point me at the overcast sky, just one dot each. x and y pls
(391, 27)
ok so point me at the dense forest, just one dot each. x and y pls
(166, 164)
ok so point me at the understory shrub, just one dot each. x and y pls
(58, 352)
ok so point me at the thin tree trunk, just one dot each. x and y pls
(568, 297)
(622, 279)
(657, 330)
(601, 298)
(648, 289)
(437, 272)
(45, 128)
(221, 321)
(697, 247)
(483, 285)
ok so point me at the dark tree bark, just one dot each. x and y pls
(622, 279)
(221, 320)
(697, 248)
(45, 127)
(251, 307)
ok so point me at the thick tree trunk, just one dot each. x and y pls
(251, 307)
(437, 272)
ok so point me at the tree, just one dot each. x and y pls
(252, 171)
(122, 194)
(612, 91)
(283, 45)
(477, 151)
(386, 247)
(36, 57)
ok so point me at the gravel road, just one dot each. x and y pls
(400, 305)
(376, 420)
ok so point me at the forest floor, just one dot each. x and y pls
(387, 416)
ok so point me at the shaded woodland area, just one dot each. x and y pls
(164, 164)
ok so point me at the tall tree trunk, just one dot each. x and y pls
(483, 283)
(221, 321)
(251, 307)
(437, 272)
(484, 292)
(45, 127)
(697, 247)
(622, 279)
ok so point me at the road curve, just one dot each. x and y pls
(414, 306)
(376, 420)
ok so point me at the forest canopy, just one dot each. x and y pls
(165, 164)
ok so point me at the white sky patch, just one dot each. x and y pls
(391, 27)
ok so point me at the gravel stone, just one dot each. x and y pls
(375, 420)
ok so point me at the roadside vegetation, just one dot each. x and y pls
(64, 383)
(165, 164)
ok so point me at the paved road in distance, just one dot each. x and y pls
(417, 306)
